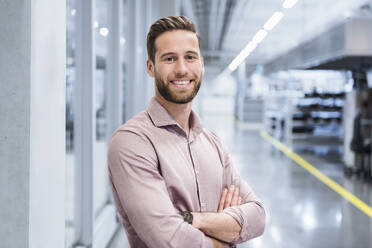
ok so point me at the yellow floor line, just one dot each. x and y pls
(326, 180)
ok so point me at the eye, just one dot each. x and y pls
(191, 57)
(169, 59)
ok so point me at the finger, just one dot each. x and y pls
(229, 197)
(235, 198)
(240, 201)
(222, 200)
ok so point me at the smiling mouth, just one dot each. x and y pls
(181, 83)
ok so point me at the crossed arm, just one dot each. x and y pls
(135, 181)
(219, 226)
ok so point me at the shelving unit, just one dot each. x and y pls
(276, 108)
(304, 109)
(315, 123)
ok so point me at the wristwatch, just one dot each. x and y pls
(187, 216)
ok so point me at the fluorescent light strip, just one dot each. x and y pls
(289, 4)
(273, 21)
(259, 36)
(248, 49)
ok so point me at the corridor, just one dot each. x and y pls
(301, 210)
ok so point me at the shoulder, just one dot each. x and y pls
(134, 135)
(139, 123)
(138, 126)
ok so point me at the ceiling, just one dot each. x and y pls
(226, 26)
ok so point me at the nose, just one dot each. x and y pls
(181, 67)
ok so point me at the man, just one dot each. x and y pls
(173, 181)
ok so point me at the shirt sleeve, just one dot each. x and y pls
(250, 214)
(140, 191)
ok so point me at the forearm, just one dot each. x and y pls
(218, 225)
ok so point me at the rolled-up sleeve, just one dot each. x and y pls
(140, 192)
(250, 214)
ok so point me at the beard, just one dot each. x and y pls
(173, 96)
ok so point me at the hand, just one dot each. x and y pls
(229, 197)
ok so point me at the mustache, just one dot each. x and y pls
(181, 75)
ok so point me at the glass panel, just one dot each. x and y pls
(70, 155)
(101, 39)
(124, 46)
(102, 32)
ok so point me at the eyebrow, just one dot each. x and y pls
(166, 54)
(172, 53)
(197, 54)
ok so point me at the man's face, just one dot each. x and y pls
(178, 67)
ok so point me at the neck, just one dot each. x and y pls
(180, 112)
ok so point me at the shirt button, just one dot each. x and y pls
(196, 171)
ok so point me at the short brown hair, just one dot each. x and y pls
(167, 24)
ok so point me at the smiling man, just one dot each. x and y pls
(173, 181)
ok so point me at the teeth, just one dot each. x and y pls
(180, 82)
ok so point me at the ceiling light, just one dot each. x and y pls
(96, 24)
(274, 19)
(289, 4)
(236, 62)
(104, 31)
(73, 12)
(122, 41)
(248, 49)
(259, 36)
(233, 65)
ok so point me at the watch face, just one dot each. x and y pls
(187, 216)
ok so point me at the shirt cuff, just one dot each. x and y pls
(250, 217)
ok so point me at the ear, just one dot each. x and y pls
(150, 67)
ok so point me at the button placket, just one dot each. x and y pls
(196, 173)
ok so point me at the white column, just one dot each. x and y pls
(32, 126)
(135, 50)
(84, 122)
(114, 70)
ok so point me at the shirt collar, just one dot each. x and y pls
(160, 117)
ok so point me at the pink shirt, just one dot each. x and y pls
(156, 172)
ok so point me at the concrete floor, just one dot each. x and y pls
(301, 210)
